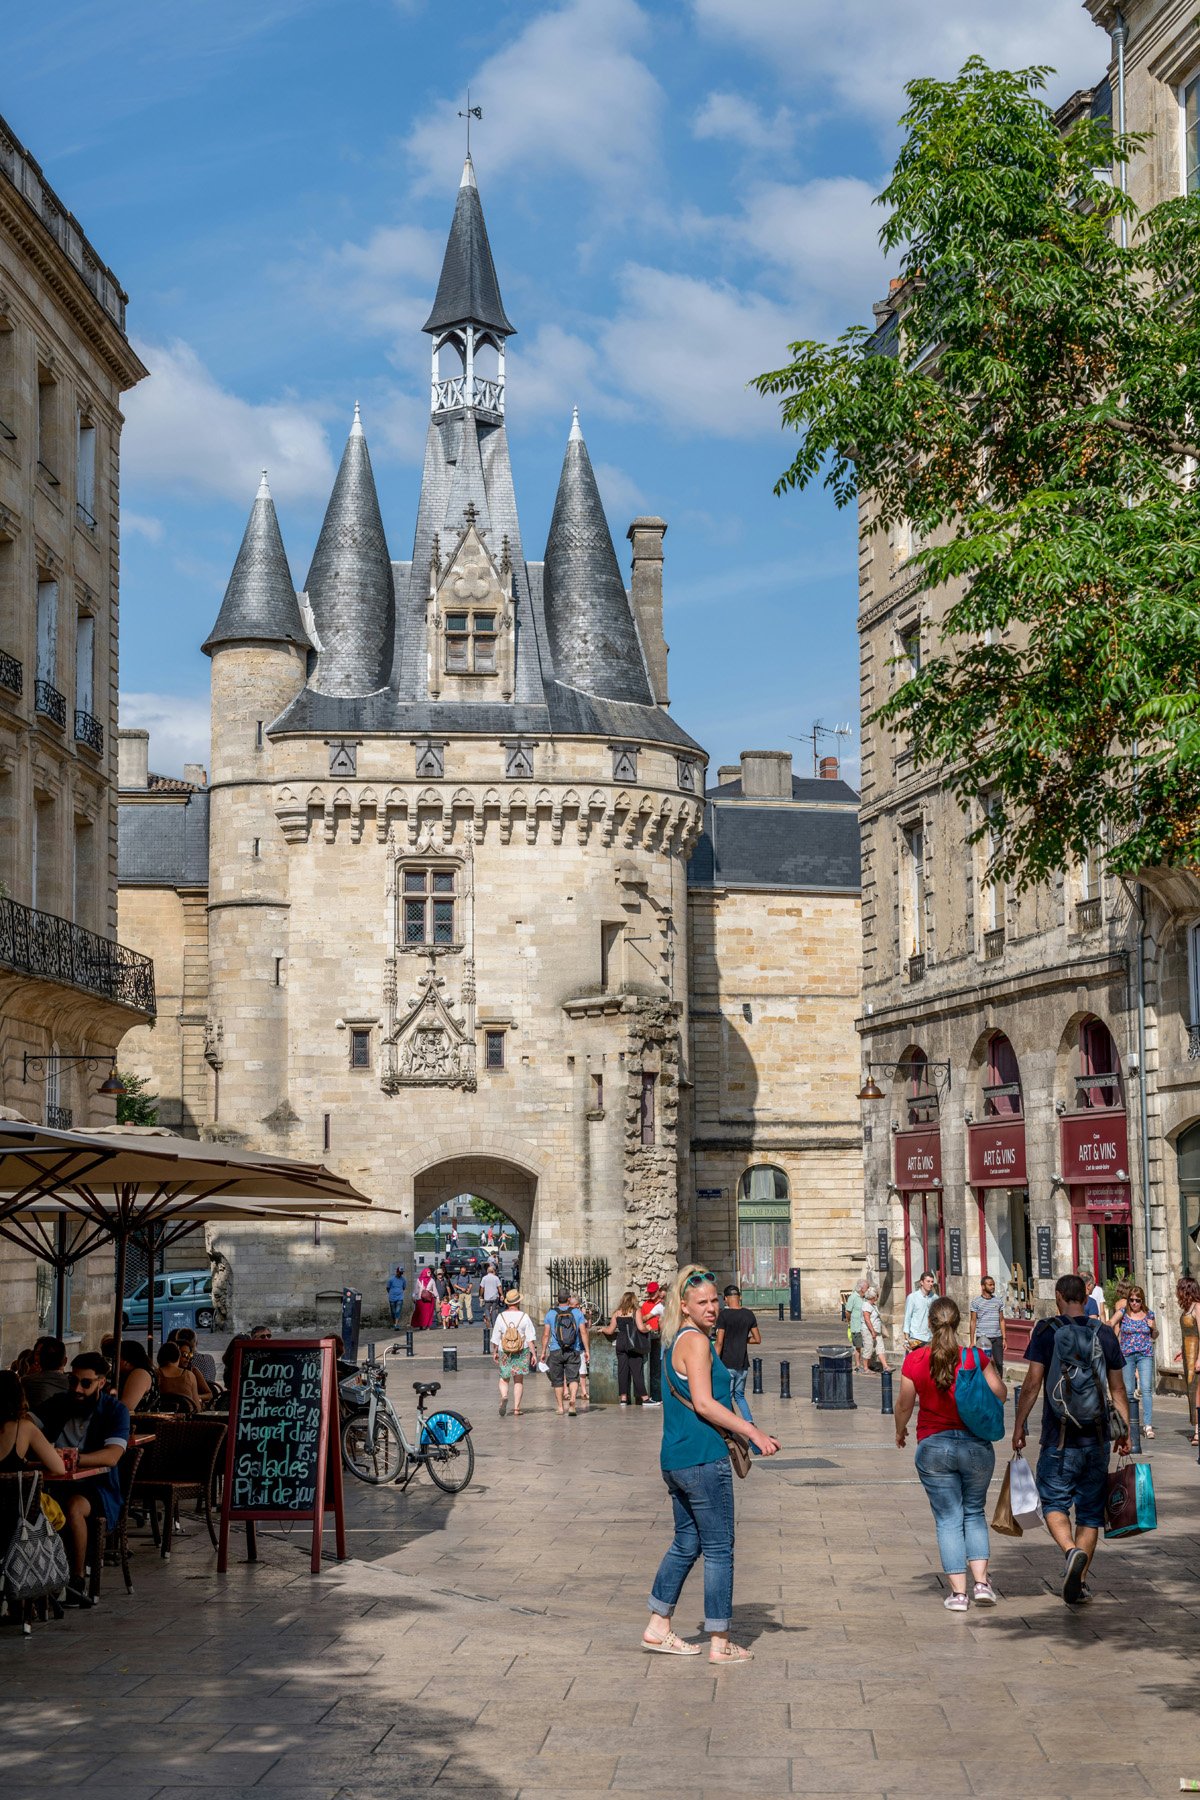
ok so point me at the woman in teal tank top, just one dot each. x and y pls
(697, 1409)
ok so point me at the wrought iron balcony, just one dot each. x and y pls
(993, 944)
(12, 675)
(48, 700)
(54, 949)
(1088, 915)
(88, 731)
(1194, 1043)
(916, 968)
(59, 1118)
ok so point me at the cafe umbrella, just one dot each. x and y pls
(113, 1184)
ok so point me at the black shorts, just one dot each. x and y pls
(563, 1366)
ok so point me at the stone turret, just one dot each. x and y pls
(349, 585)
(593, 639)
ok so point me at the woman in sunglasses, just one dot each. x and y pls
(697, 1412)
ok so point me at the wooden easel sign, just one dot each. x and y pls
(282, 1455)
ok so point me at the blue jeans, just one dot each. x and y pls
(955, 1468)
(702, 1501)
(737, 1383)
(1143, 1368)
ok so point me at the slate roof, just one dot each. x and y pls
(778, 845)
(808, 788)
(468, 292)
(593, 640)
(350, 586)
(260, 601)
(164, 843)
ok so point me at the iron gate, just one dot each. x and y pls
(586, 1276)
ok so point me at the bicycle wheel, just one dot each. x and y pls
(447, 1451)
(374, 1458)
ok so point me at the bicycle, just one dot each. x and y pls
(377, 1449)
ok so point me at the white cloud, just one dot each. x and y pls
(736, 120)
(178, 725)
(568, 93)
(825, 233)
(686, 349)
(860, 53)
(623, 499)
(142, 525)
(386, 283)
(184, 430)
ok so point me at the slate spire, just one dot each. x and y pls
(468, 292)
(594, 643)
(260, 602)
(349, 585)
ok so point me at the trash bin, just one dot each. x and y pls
(835, 1377)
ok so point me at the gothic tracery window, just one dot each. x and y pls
(427, 901)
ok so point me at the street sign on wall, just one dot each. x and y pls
(954, 1244)
(1045, 1253)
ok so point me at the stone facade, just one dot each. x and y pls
(68, 992)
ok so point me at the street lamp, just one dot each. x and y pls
(870, 1089)
(54, 1065)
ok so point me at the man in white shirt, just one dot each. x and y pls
(489, 1293)
(916, 1311)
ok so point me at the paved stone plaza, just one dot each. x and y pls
(489, 1644)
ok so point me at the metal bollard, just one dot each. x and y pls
(816, 1382)
(487, 1341)
(408, 1344)
(885, 1391)
(450, 1361)
(756, 1374)
(785, 1381)
(781, 1312)
(1016, 1394)
(1135, 1428)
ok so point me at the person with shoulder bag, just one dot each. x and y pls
(700, 1431)
(631, 1345)
(955, 1460)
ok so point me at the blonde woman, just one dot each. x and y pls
(631, 1345)
(697, 1409)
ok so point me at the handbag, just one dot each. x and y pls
(738, 1448)
(35, 1563)
(1129, 1507)
(1002, 1517)
(981, 1412)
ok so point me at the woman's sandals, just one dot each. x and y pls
(671, 1645)
(729, 1653)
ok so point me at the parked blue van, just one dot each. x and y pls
(185, 1293)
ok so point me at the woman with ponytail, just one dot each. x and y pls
(698, 1416)
(954, 1465)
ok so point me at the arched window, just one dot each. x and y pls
(1098, 1058)
(1002, 1080)
(764, 1235)
(764, 1184)
(921, 1097)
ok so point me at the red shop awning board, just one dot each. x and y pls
(918, 1159)
(996, 1153)
(1095, 1147)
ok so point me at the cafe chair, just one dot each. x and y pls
(113, 1546)
(180, 1464)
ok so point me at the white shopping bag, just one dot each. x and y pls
(1023, 1494)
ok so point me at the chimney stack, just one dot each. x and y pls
(728, 772)
(829, 768)
(133, 758)
(646, 593)
(196, 773)
(767, 774)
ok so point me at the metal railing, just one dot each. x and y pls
(993, 944)
(586, 1276)
(1194, 1043)
(88, 731)
(12, 675)
(48, 701)
(916, 967)
(38, 943)
(1088, 915)
(59, 1118)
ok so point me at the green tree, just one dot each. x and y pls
(136, 1106)
(486, 1213)
(1031, 410)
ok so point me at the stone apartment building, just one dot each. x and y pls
(68, 990)
(1038, 1109)
(449, 822)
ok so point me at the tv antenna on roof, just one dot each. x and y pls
(819, 731)
(472, 112)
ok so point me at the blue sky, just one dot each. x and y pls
(674, 190)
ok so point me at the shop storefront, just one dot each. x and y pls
(918, 1180)
(996, 1172)
(1095, 1172)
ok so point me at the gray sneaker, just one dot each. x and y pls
(1073, 1574)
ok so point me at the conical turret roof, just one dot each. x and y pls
(349, 585)
(593, 640)
(260, 602)
(468, 292)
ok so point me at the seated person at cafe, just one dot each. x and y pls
(189, 1358)
(260, 1333)
(137, 1376)
(174, 1381)
(93, 1426)
(48, 1372)
(21, 1441)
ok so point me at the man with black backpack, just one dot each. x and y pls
(1078, 1363)
(564, 1341)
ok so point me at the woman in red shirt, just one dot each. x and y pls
(954, 1465)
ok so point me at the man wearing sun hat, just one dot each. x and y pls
(649, 1318)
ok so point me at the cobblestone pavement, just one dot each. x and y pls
(489, 1644)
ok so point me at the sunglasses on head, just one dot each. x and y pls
(699, 1275)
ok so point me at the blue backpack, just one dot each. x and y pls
(979, 1409)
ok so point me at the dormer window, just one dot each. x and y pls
(470, 643)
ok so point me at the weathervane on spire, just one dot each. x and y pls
(472, 112)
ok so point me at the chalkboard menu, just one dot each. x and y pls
(282, 1457)
(1044, 1253)
(956, 1262)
